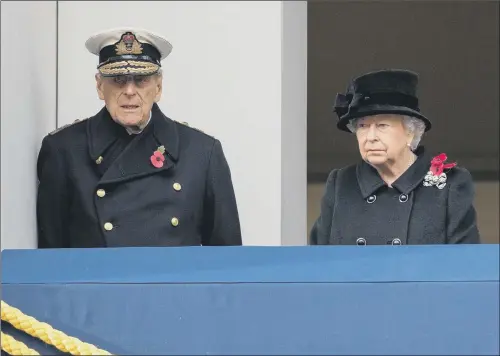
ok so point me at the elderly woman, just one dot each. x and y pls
(398, 193)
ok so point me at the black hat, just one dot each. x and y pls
(390, 91)
(128, 51)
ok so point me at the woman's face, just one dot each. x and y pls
(382, 139)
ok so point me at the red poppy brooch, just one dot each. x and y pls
(158, 157)
(436, 175)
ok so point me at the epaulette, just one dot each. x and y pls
(65, 126)
(194, 128)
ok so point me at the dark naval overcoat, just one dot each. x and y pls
(358, 208)
(100, 187)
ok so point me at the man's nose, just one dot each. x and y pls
(130, 88)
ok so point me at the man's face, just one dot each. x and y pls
(129, 98)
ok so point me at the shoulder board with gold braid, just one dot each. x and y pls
(65, 126)
(195, 128)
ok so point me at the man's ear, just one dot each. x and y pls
(159, 87)
(99, 86)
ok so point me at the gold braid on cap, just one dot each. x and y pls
(129, 67)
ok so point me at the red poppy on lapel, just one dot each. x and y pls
(438, 165)
(158, 157)
(436, 176)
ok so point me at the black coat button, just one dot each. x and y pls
(403, 198)
(361, 241)
(396, 241)
(371, 199)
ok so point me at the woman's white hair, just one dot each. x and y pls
(412, 125)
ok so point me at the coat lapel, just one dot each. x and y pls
(102, 132)
(410, 179)
(135, 160)
(369, 180)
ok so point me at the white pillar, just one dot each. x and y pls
(237, 72)
(28, 111)
(294, 124)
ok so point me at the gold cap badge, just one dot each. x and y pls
(128, 44)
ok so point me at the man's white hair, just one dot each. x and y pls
(412, 125)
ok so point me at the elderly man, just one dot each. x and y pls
(130, 176)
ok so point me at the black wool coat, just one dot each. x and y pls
(99, 188)
(358, 208)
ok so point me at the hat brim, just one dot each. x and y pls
(97, 41)
(379, 110)
(128, 67)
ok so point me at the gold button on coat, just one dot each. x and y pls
(99, 160)
(175, 221)
(177, 186)
(101, 193)
(108, 226)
